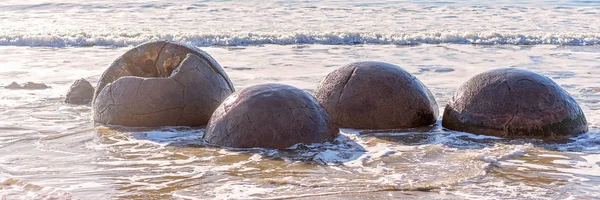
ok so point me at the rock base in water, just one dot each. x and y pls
(270, 116)
(81, 92)
(514, 103)
(376, 95)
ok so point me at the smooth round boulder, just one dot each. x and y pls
(376, 95)
(81, 92)
(161, 84)
(514, 103)
(269, 116)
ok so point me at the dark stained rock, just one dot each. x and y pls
(27, 86)
(80, 92)
(376, 95)
(514, 103)
(161, 84)
(270, 116)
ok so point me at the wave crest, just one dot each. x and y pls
(332, 38)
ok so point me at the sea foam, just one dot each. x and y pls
(297, 38)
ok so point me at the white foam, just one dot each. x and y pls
(590, 167)
(234, 190)
(294, 38)
(501, 152)
(14, 188)
(587, 142)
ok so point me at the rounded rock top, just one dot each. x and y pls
(270, 116)
(161, 83)
(514, 103)
(80, 92)
(376, 95)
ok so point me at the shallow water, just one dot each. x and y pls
(50, 150)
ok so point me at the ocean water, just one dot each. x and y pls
(52, 150)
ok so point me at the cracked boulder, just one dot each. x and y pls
(514, 103)
(81, 92)
(270, 116)
(161, 84)
(376, 95)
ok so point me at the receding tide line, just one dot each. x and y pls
(333, 38)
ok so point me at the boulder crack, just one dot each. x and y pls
(158, 56)
(218, 72)
(136, 93)
(158, 111)
(516, 112)
(346, 83)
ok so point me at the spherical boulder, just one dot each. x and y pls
(269, 116)
(376, 95)
(514, 103)
(80, 92)
(161, 84)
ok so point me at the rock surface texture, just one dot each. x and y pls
(514, 103)
(161, 84)
(81, 92)
(376, 95)
(270, 116)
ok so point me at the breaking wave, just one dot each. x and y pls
(296, 38)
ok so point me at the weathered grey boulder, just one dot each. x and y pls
(80, 92)
(376, 95)
(514, 103)
(27, 86)
(270, 116)
(161, 84)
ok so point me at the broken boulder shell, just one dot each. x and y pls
(80, 92)
(270, 116)
(161, 84)
(514, 103)
(376, 95)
